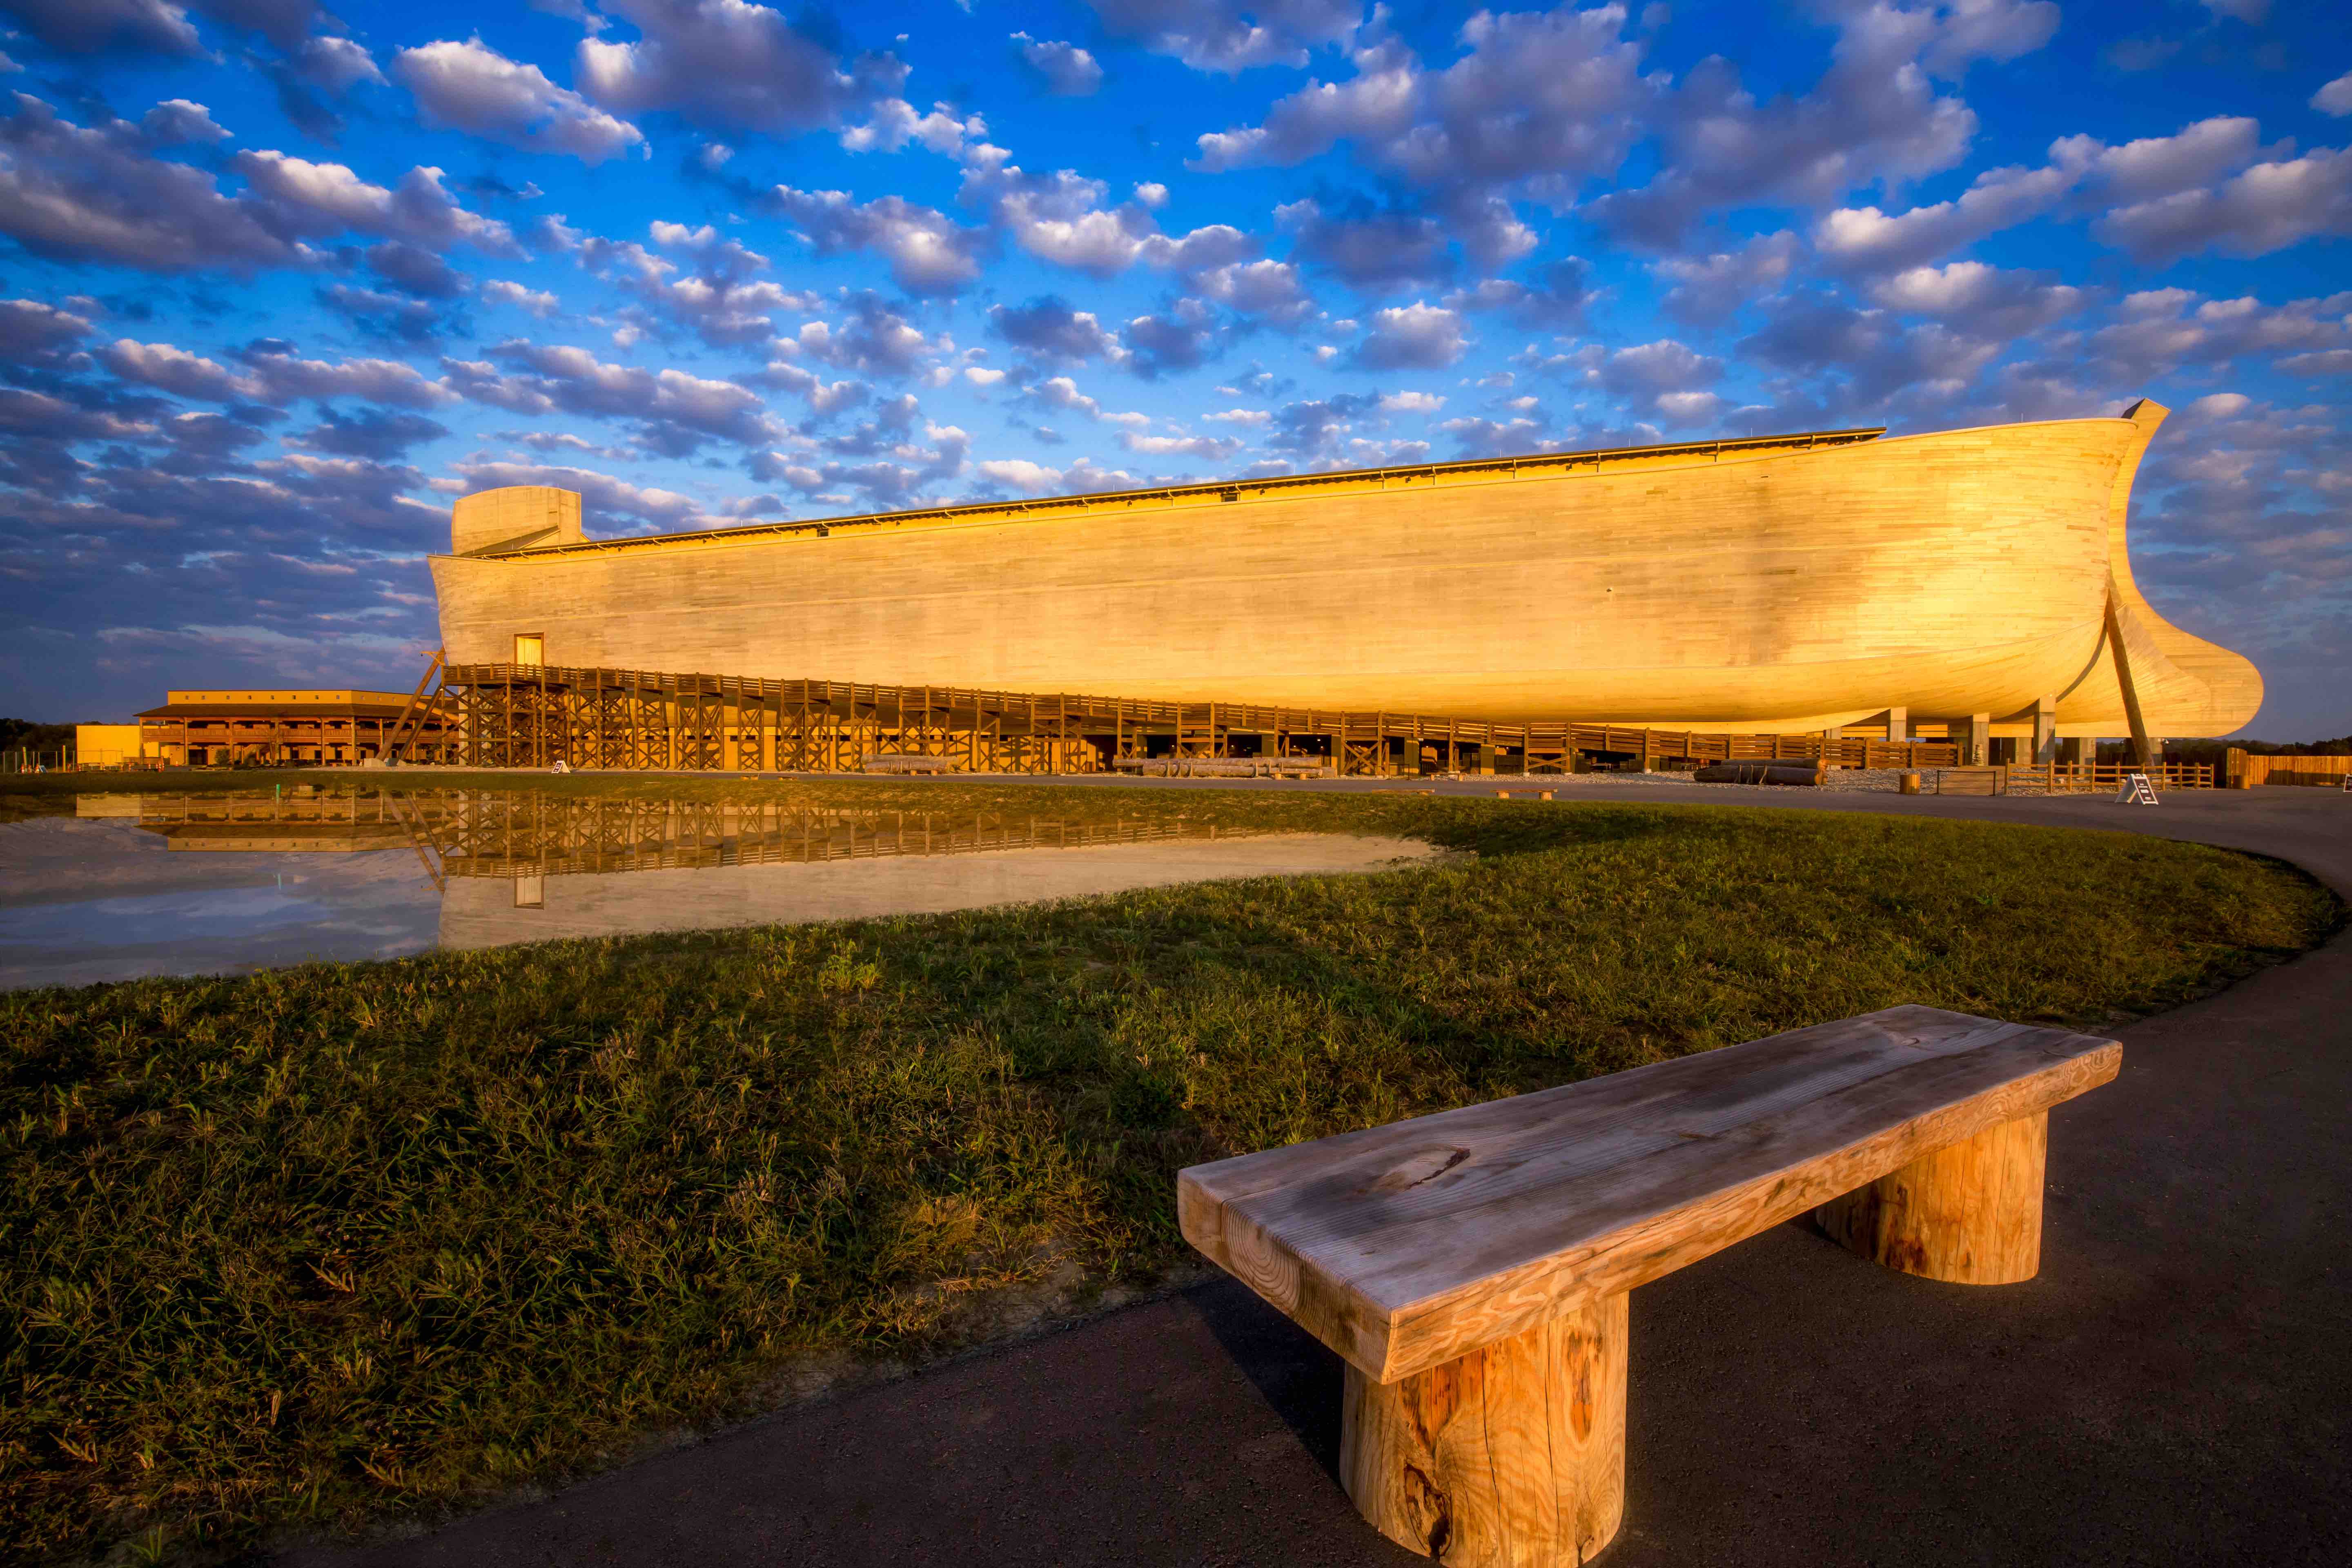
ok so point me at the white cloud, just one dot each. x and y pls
(874, 340)
(927, 251)
(1059, 216)
(335, 64)
(473, 87)
(823, 397)
(2153, 184)
(2159, 332)
(1985, 301)
(1688, 407)
(1273, 289)
(1412, 402)
(1068, 70)
(894, 123)
(30, 329)
(1496, 438)
(2156, 166)
(327, 198)
(176, 370)
(729, 64)
(2265, 208)
(176, 122)
(1061, 392)
(1215, 448)
(538, 302)
(1232, 34)
(1419, 336)
(1551, 94)
(288, 377)
(1709, 289)
(663, 232)
(1035, 479)
(1864, 238)
(276, 377)
(91, 193)
(1658, 367)
(2336, 98)
(2324, 361)
(675, 409)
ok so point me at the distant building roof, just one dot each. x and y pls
(306, 706)
(311, 698)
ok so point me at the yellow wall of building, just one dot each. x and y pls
(106, 745)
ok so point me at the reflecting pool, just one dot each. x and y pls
(135, 885)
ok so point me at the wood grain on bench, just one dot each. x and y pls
(1406, 1247)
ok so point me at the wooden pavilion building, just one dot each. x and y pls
(226, 729)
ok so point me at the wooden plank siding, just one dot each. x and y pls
(1776, 585)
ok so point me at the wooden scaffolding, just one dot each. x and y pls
(535, 716)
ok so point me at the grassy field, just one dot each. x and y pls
(308, 1246)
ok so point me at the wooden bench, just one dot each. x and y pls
(1472, 1267)
(1972, 781)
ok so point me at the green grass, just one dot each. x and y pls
(308, 1246)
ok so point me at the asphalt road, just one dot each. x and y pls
(2173, 1388)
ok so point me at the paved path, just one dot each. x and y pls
(2176, 1387)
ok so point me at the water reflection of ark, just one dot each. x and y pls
(524, 866)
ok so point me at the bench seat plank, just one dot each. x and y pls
(1405, 1246)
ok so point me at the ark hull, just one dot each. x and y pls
(1792, 583)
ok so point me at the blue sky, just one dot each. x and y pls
(277, 281)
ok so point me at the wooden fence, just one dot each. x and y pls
(2251, 770)
(2064, 778)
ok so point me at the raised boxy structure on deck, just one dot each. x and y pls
(1971, 581)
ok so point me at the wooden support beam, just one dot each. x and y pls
(2142, 751)
(1970, 1214)
(1514, 1454)
(410, 708)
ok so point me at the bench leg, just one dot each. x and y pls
(1513, 1456)
(1971, 1213)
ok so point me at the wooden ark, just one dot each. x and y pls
(1780, 583)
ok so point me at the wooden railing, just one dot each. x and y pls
(2068, 778)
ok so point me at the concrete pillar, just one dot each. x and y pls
(2045, 729)
(1898, 726)
(1979, 749)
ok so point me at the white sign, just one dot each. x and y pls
(2137, 791)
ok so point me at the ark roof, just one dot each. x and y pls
(1531, 466)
